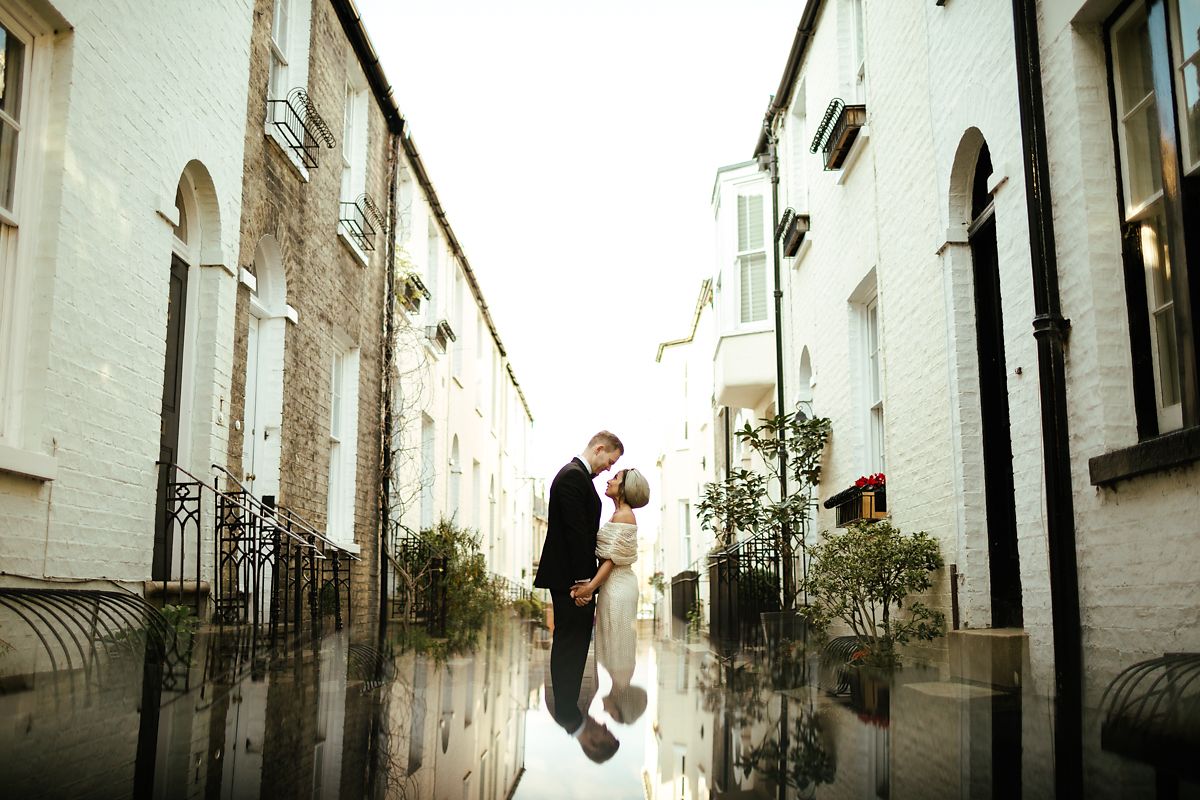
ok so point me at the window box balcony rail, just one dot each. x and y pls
(300, 126)
(411, 290)
(856, 504)
(837, 131)
(441, 334)
(791, 231)
(360, 220)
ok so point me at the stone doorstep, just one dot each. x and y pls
(991, 657)
(165, 589)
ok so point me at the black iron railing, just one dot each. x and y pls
(745, 580)
(837, 131)
(269, 565)
(360, 220)
(419, 582)
(441, 334)
(411, 291)
(1152, 712)
(300, 126)
(86, 633)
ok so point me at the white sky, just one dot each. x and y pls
(574, 148)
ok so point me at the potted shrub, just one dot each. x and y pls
(863, 578)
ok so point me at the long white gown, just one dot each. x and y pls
(616, 604)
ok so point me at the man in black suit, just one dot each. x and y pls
(569, 557)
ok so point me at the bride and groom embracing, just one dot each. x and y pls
(579, 557)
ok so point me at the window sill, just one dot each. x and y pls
(286, 150)
(860, 144)
(28, 464)
(352, 247)
(1174, 449)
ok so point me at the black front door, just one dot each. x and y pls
(999, 492)
(172, 398)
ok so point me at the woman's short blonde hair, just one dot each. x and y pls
(635, 489)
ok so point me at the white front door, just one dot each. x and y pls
(252, 433)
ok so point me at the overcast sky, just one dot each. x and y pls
(574, 146)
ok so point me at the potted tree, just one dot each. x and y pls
(863, 578)
(747, 505)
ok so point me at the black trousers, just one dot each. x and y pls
(568, 655)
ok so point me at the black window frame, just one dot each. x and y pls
(1157, 450)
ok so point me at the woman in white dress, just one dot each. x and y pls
(616, 608)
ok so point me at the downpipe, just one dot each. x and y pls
(1050, 330)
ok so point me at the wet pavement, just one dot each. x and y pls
(228, 715)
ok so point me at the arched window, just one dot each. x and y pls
(455, 479)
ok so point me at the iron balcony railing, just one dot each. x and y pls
(360, 220)
(412, 291)
(791, 231)
(441, 334)
(300, 125)
(837, 131)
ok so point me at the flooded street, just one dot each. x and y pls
(348, 716)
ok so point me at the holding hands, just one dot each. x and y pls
(582, 591)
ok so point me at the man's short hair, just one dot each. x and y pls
(608, 439)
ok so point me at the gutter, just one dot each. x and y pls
(1050, 330)
(704, 299)
(791, 71)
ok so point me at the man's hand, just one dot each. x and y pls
(582, 600)
(582, 593)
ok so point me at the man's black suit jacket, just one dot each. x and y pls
(572, 520)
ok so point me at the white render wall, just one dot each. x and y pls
(940, 80)
(499, 437)
(124, 122)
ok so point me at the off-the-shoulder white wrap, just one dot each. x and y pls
(616, 607)
(617, 541)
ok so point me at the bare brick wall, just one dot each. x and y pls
(327, 285)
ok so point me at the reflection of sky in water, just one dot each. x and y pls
(555, 766)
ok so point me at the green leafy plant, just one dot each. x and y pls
(658, 582)
(695, 617)
(531, 608)
(743, 502)
(450, 556)
(863, 578)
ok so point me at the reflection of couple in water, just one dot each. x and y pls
(575, 540)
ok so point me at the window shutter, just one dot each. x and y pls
(750, 222)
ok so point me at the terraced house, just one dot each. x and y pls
(983, 219)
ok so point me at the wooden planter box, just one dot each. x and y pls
(863, 506)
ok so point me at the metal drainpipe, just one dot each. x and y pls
(786, 538)
(387, 388)
(1050, 329)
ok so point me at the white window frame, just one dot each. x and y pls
(858, 50)
(751, 252)
(355, 135)
(16, 247)
(343, 445)
(291, 55)
(872, 348)
(458, 300)
(1186, 135)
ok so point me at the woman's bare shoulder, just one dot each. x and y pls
(624, 515)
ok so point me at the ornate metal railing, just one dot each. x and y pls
(300, 125)
(837, 131)
(419, 585)
(84, 632)
(360, 219)
(1152, 712)
(270, 567)
(179, 525)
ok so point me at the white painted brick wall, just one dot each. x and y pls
(129, 110)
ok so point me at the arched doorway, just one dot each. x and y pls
(999, 494)
(266, 328)
(185, 253)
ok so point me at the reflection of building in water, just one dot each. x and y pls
(683, 727)
(457, 729)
